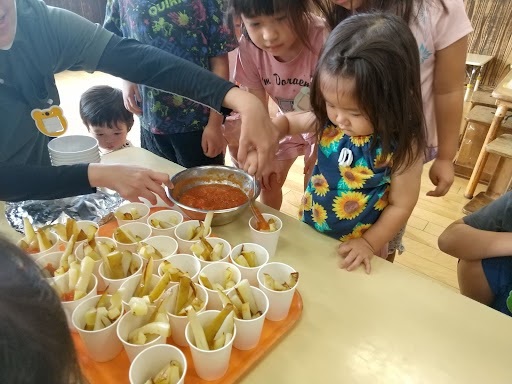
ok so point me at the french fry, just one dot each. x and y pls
(147, 251)
(274, 285)
(30, 234)
(124, 236)
(243, 290)
(174, 272)
(197, 330)
(164, 224)
(206, 282)
(145, 280)
(86, 268)
(159, 288)
(42, 240)
(210, 331)
(169, 374)
(183, 294)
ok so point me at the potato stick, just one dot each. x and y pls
(159, 287)
(243, 289)
(206, 282)
(294, 278)
(268, 281)
(208, 222)
(242, 261)
(228, 338)
(197, 330)
(73, 275)
(145, 280)
(114, 261)
(211, 329)
(219, 342)
(139, 305)
(236, 302)
(246, 311)
(250, 257)
(100, 312)
(174, 372)
(218, 287)
(183, 293)
(71, 228)
(30, 234)
(217, 252)
(42, 240)
(86, 269)
(225, 300)
(90, 319)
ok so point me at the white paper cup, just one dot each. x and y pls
(79, 254)
(151, 361)
(102, 345)
(81, 225)
(215, 273)
(72, 145)
(54, 239)
(181, 230)
(261, 259)
(268, 240)
(112, 285)
(141, 230)
(142, 210)
(225, 251)
(168, 215)
(209, 365)
(61, 284)
(52, 260)
(130, 284)
(178, 323)
(128, 323)
(185, 263)
(279, 301)
(248, 332)
(166, 245)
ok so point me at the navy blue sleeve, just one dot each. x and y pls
(29, 182)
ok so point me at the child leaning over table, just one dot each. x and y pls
(368, 115)
(482, 241)
(103, 113)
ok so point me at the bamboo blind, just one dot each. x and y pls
(492, 35)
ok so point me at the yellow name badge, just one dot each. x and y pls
(50, 122)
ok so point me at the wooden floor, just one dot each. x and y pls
(430, 217)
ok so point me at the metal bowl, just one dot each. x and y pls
(213, 174)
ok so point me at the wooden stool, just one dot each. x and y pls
(502, 178)
(484, 115)
(482, 98)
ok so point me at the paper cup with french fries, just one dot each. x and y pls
(117, 267)
(210, 250)
(183, 296)
(180, 265)
(96, 250)
(267, 237)
(138, 333)
(131, 213)
(278, 281)
(249, 258)
(132, 288)
(157, 247)
(80, 232)
(189, 232)
(39, 243)
(95, 320)
(128, 236)
(162, 364)
(210, 335)
(219, 276)
(250, 306)
(164, 222)
(76, 286)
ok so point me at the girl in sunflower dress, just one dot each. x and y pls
(367, 112)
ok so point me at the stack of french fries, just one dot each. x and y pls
(164, 224)
(133, 214)
(35, 241)
(227, 283)
(275, 285)
(97, 249)
(125, 236)
(79, 276)
(147, 251)
(217, 333)
(104, 313)
(195, 233)
(170, 374)
(118, 264)
(204, 250)
(65, 231)
(175, 273)
(246, 259)
(185, 297)
(242, 300)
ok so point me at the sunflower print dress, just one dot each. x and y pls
(343, 199)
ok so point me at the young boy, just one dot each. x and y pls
(103, 113)
(482, 242)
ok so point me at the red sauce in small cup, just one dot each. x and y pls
(212, 197)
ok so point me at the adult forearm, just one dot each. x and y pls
(144, 64)
(448, 118)
(467, 243)
(25, 182)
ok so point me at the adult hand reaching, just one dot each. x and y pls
(131, 182)
(131, 97)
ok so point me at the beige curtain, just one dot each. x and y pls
(492, 35)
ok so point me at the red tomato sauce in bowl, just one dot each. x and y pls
(212, 197)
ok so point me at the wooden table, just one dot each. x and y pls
(503, 95)
(392, 326)
(477, 63)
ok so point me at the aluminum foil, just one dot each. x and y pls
(97, 207)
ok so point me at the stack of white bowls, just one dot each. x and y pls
(74, 149)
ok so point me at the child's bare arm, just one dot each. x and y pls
(403, 196)
(293, 123)
(468, 243)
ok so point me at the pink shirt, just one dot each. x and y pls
(283, 82)
(436, 29)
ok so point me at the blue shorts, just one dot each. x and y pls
(498, 271)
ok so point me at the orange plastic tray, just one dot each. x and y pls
(116, 370)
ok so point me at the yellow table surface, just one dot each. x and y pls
(392, 326)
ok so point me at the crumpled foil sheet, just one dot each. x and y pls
(97, 207)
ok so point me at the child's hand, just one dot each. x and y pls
(131, 97)
(441, 174)
(212, 141)
(251, 163)
(356, 252)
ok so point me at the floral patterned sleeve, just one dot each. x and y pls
(112, 19)
(221, 39)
